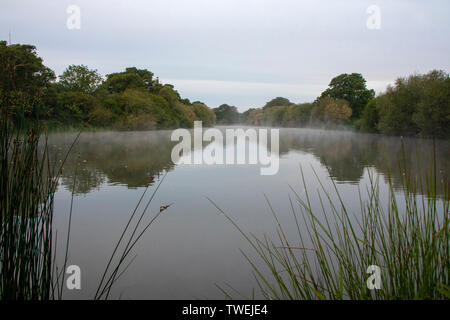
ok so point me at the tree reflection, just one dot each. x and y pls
(135, 159)
(347, 154)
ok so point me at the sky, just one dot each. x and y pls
(239, 52)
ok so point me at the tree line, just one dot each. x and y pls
(415, 105)
(135, 100)
(129, 100)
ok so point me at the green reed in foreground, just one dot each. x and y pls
(27, 187)
(407, 237)
(28, 182)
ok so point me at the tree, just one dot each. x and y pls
(275, 116)
(299, 114)
(433, 110)
(23, 81)
(170, 94)
(245, 115)
(131, 78)
(331, 111)
(131, 99)
(204, 114)
(256, 117)
(80, 78)
(370, 117)
(398, 104)
(277, 102)
(350, 87)
(75, 107)
(226, 114)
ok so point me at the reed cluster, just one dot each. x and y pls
(333, 249)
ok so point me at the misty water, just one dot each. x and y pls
(192, 247)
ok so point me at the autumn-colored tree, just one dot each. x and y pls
(331, 111)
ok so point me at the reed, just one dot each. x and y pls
(28, 245)
(329, 255)
(28, 182)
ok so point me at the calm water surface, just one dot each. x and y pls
(192, 247)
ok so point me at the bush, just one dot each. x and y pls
(419, 104)
(331, 111)
(433, 110)
(275, 116)
(101, 117)
(256, 117)
(137, 122)
(75, 106)
(370, 117)
(204, 114)
(186, 114)
(298, 115)
(279, 101)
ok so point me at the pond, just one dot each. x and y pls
(191, 247)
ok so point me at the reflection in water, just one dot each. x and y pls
(134, 159)
(192, 247)
(346, 154)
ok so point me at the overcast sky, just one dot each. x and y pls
(240, 52)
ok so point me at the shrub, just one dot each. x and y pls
(275, 116)
(204, 114)
(370, 117)
(331, 111)
(298, 114)
(433, 110)
(101, 117)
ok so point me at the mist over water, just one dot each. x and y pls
(192, 247)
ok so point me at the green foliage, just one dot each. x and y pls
(168, 92)
(119, 82)
(226, 114)
(21, 70)
(331, 111)
(433, 110)
(293, 115)
(75, 106)
(133, 99)
(408, 238)
(29, 178)
(419, 104)
(275, 116)
(204, 114)
(24, 81)
(128, 100)
(256, 117)
(350, 87)
(278, 101)
(138, 103)
(245, 115)
(26, 210)
(397, 106)
(298, 115)
(80, 78)
(323, 111)
(131, 78)
(101, 117)
(370, 117)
